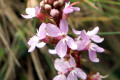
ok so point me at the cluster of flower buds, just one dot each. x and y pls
(55, 32)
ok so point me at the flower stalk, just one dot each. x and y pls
(68, 49)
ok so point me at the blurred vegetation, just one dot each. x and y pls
(17, 64)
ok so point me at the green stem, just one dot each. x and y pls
(108, 33)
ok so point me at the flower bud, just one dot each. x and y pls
(48, 7)
(45, 1)
(50, 1)
(56, 4)
(42, 4)
(54, 13)
(61, 2)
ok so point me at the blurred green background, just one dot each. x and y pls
(17, 64)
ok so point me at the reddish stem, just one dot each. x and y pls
(76, 3)
(78, 58)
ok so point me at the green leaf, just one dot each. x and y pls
(2, 51)
(108, 33)
(109, 2)
(71, 1)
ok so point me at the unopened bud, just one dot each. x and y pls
(42, 4)
(50, 1)
(56, 4)
(48, 7)
(45, 1)
(54, 13)
(61, 2)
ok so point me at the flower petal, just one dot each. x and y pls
(32, 48)
(97, 39)
(42, 33)
(58, 63)
(81, 45)
(72, 62)
(61, 65)
(33, 40)
(93, 56)
(76, 32)
(104, 76)
(93, 32)
(84, 36)
(64, 26)
(76, 8)
(60, 77)
(41, 44)
(27, 16)
(71, 76)
(80, 73)
(97, 48)
(51, 51)
(61, 48)
(67, 10)
(71, 43)
(30, 11)
(42, 27)
(37, 10)
(52, 30)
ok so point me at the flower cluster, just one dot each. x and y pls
(55, 32)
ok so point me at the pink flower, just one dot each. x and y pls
(97, 76)
(34, 41)
(54, 31)
(74, 71)
(31, 12)
(69, 9)
(64, 67)
(90, 35)
(84, 43)
(61, 67)
(91, 47)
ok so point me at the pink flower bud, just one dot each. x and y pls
(50, 1)
(54, 13)
(45, 1)
(42, 4)
(56, 4)
(48, 7)
(61, 2)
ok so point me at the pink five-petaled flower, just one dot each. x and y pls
(54, 31)
(97, 76)
(69, 9)
(61, 67)
(34, 41)
(31, 12)
(89, 35)
(91, 47)
(74, 71)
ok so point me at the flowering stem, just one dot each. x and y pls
(78, 58)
